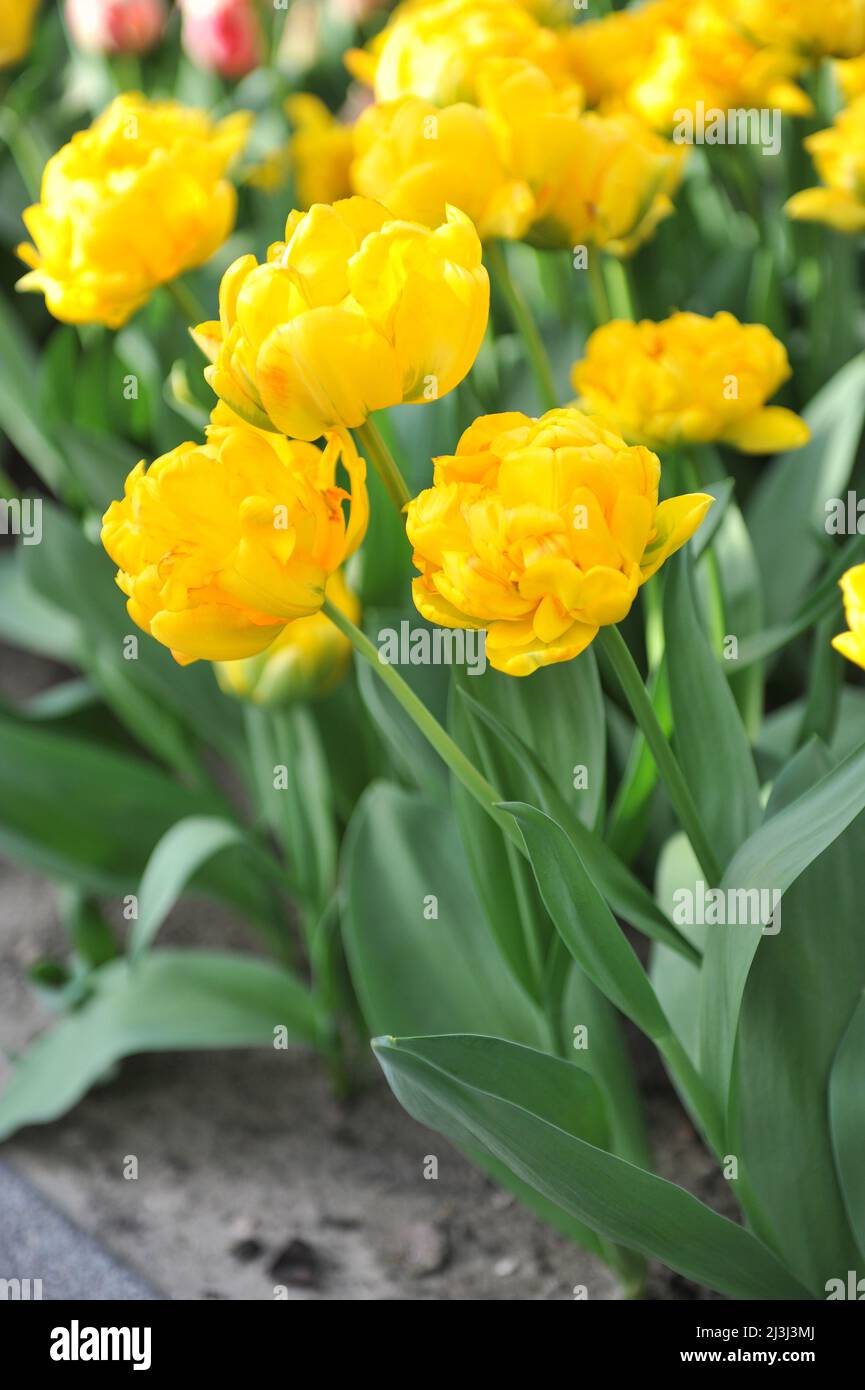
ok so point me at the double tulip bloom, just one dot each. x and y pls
(689, 380)
(353, 312)
(839, 154)
(220, 545)
(306, 661)
(436, 50)
(541, 532)
(128, 205)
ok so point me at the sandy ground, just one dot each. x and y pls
(252, 1177)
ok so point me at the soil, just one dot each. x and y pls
(255, 1182)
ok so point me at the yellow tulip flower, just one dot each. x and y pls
(16, 29)
(689, 380)
(852, 644)
(599, 180)
(541, 532)
(835, 28)
(437, 49)
(418, 159)
(307, 660)
(130, 204)
(839, 154)
(220, 545)
(353, 312)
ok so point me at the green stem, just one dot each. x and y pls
(187, 302)
(619, 288)
(613, 643)
(598, 287)
(524, 322)
(373, 447)
(450, 753)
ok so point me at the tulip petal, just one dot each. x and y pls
(772, 430)
(676, 520)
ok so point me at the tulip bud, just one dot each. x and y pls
(223, 36)
(115, 26)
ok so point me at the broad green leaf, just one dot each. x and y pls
(847, 1118)
(519, 1113)
(175, 860)
(802, 987)
(20, 415)
(419, 948)
(621, 888)
(675, 980)
(585, 923)
(92, 816)
(787, 509)
(27, 620)
(170, 1000)
(771, 859)
(709, 736)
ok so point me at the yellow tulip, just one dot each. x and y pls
(599, 180)
(850, 73)
(852, 644)
(130, 204)
(703, 57)
(834, 28)
(320, 151)
(353, 312)
(307, 660)
(220, 545)
(16, 29)
(839, 154)
(666, 56)
(541, 532)
(689, 380)
(437, 49)
(418, 159)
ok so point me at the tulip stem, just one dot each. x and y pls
(616, 649)
(524, 322)
(186, 301)
(373, 446)
(598, 287)
(438, 738)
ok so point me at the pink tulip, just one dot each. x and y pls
(223, 36)
(115, 26)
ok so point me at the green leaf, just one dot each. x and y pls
(802, 987)
(709, 736)
(787, 509)
(402, 862)
(772, 859)
(85, 814)
(170, 1000)
(20, 415)
(847, 1116)
(621, 888)
(175, 860)
(525, 1111)
(585, 923)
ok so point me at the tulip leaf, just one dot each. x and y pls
(803, 985)
(772, 858)
(709, 736)
(527, 1112)
(621, 888)
(788, 507)
(419, 949)
(176, 858)
(847, 1117)
(168, 1001)
(79, 812)
(585, 923)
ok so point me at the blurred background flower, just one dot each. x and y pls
(222, 36)
(16, 29)
(116, 26)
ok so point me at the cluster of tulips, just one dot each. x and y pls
(467, 240)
